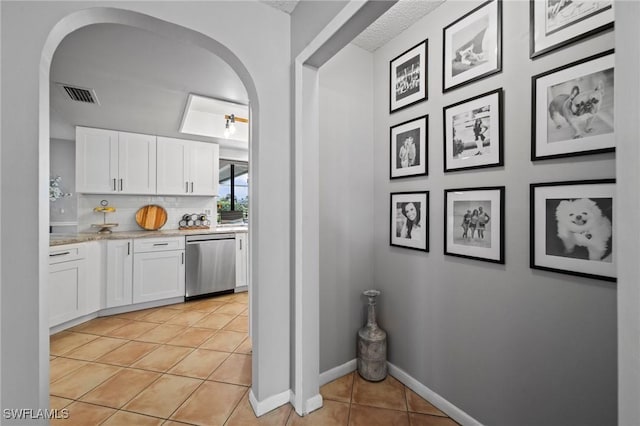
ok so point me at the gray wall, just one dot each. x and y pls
(507, 344)
(263, 62)
(346, 197)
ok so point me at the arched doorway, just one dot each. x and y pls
(93, 16)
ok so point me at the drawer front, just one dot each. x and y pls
(66, 253)
(145, 245)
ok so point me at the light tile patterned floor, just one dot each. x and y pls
(190, 363)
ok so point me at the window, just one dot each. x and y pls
(234, 187)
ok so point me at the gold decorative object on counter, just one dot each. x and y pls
(104, 208)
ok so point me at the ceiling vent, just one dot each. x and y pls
(80, 94)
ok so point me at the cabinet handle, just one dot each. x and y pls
(183, 258)
(191, 186)
(114, 185)
(59, 254)
(240, 244)
(161, 244)
(121, 184)
(128, 248)
(186, 187)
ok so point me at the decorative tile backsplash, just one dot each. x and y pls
(127, 205)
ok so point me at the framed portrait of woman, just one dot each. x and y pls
(474, 223)
(409, 220)
(473, 133)
(408, 148)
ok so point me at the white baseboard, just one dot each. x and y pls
(271, 403)
(308, 406)
(442, 404)
(337, 372)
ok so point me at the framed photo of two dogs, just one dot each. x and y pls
(572, 114)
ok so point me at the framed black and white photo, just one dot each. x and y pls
(408, 148)
(472, 46)
(557, 23)
(572, 109)
(410, 220)
(408, 83)
(474, 223)
(473, 133)
(572, 228)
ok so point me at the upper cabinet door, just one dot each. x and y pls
(204, 169)
(96, 160)
(137, 163)
(173, 159)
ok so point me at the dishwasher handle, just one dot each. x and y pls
(198, 239)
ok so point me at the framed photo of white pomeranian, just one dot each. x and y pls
(408, 78)
(408, 148)
(473, 133)
(557, 23)
(409, 217)
(572, 228)
(474, 223)
(472, 46)
(572, 109)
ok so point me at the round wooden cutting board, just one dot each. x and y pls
(151, 217)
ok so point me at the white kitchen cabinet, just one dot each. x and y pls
(204, 166)
(119, 285)
(187, 167)
(108, 162)
(67, 283)
(242, 259)
(96, 160)
(158, 269)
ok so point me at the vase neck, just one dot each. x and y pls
(371, 316)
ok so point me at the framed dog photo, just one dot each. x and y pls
(474, 223)
(408, 148)
(473, 133)
(410, 220)
(408, 82)
(572, 228)
(472, 46)
(557, 23)
(572, 109)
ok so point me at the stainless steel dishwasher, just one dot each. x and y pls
(211, 265)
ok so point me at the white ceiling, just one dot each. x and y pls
(142, 81)
(398, 18)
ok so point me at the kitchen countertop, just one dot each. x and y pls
(61, 239)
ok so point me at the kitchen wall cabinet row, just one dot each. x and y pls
(109, 161)
(97, 276)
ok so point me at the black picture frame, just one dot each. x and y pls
(584, 86)
(572, 228)
(406, 158)
(408, 72)
(486, 204)
(478, 47)
(460, 136)
(547, 36)
(400, 219)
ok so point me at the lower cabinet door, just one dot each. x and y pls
(67, 291)
(158, 275)
(119, 273)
